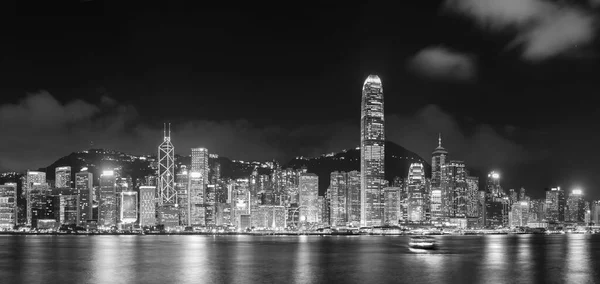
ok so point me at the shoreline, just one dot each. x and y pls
(257, 234)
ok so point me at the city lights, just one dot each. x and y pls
(108, 173)
(577, 192)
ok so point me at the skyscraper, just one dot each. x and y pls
(555, 205)
(372, 152)
(416, 192)
(8, 206)
(166, 171)
(63, 177)
(198, 181)
(107, 208)
(575, 211)
(83, 185)
(147, 206)
(309, 191)
(438, 160)
(34, 189)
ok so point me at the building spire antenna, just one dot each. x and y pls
(169, 130)
(440, 139)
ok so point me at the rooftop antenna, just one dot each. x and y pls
(169, 130)
(164, 129)
(440, 139)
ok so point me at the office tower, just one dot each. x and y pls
(268, 217)
(495, 204)
(83, 185)
(575, 211)
(354, 203)
(338, 195)
(129, 207)
(8, 206)
(454, 189)
(63, 177)
(147, 206)
(472, 197)
(555, 205)
(416, 192)
(537, 210)
(215, 170)
(166, 171)
(436, 204)
(309, 191)
(200, 158)
(438, 161)
(372, 152)
(66, 211)
(391, 199)
(37, 180)
(519, 214)
(183, 198)
(107, 205)
(522, 195)
(240, 201)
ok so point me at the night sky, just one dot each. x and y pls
(510, 84)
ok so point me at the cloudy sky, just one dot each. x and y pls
(508, 83)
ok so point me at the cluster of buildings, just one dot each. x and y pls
(195, 196)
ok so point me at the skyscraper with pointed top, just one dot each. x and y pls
(439, 159)
(372, 152)
(166, 170)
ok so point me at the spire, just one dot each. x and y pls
(164, 130)
(169, 130)
(440, 140)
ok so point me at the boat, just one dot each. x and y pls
(422, 242)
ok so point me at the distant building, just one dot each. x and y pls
(519, 214)
(309, 190)
(34, 185)
(147, 206)
(344, 197)
(63, 176)
(575, 211)
(107, 208)
(269, 217)
(454, 189)
(555, 205)
(8, 206)
(416, 193)
(392, 211)
(166, 171)
(129, 207)
(83, 185)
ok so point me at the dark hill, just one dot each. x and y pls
(397, 163)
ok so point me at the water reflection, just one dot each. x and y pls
(578, 260)
(494, 265)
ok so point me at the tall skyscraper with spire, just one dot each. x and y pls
(439, 158)
(166, 170)
(372, 152)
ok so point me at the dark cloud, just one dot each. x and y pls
(544, 29)
(443, 64)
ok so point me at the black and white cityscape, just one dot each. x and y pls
(448, 141)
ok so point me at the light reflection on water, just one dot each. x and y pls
(298, 259)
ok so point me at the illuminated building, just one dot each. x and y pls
(168, 216)
(223, 214)
(268, 217)
(555, 205)
(66, 211)
(595, 212)
(147, 206)
(537, 209)
(372, 152)
(183, 198)
(37, 196)
(438, 162)
(240, 197)
(83, 185)
(323, 210)
(32, 189)
(575, 211)
(129, 207)
(209, 204)
(8, 206)
(473, 206)
(107, 207)
(519, 214)
(454, 189)
(198, 181)
(166, 171)
(496, 205)
(392, 205)
(309, 191)
(339, 197)
(63, 177)
(215, 170)
(416, 193)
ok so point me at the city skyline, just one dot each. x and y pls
(502, 109)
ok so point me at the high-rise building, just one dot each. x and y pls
(454, 189)
(416, 193)
(309, 191)
(83, 185)
(473, 206)
(392, 205)
(107, 207)
(166, 171)
(33, 183)
(372, 152)
(183, 198)
(8, 206)
(198, 182)
(537, 210)
(575, 207)
(129, 207)
(200, 158)
(555, 205)
(595, 212)
(63, 177)
(66, 211)
(438, 161)
(519, 215)
(496, 204)
(147, 206)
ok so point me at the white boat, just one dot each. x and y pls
(422, 242)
